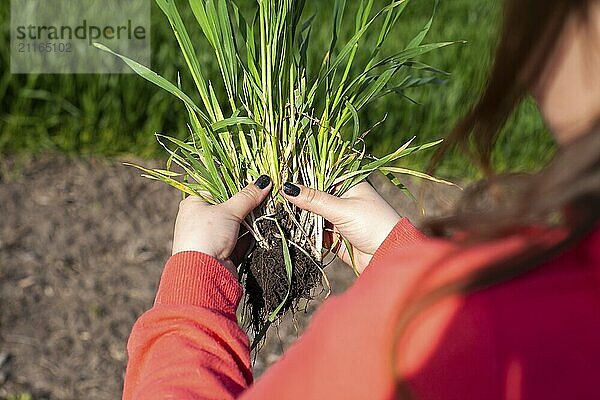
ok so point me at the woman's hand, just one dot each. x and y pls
(214, 229)
(360, 215)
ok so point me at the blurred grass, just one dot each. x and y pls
(525, 143)
(117, 114)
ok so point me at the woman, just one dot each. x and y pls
(500, 301)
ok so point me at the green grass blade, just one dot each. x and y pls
(417, 174)
(232, 121)
(170, 10)
(417, 40)
(153, 77)
(155, 174)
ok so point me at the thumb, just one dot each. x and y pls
(250, 197)
(324, 204)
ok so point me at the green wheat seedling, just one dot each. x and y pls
(281, 119)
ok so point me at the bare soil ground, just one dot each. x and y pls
(82, 246)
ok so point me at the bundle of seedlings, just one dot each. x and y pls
(283, 120)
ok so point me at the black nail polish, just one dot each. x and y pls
(262, 182)
(290, 189)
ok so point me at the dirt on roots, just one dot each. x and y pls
(266, 279)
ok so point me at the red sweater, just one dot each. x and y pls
(535, 337)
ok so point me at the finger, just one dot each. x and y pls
(250, 197)
(359, 190)
(313, 200)
(201, 200)
(206, 197)
(242, 246)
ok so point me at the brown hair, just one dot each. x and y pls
(530, 31)
(566, 193)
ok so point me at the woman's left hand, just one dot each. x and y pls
(214, 229)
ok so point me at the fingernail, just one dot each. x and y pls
(262, 182)
(290, 189)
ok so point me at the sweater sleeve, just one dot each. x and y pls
(189, 344)
(404, 233)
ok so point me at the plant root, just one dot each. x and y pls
(266, 279)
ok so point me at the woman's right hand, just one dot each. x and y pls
(360, 216)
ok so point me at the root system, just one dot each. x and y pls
(266, 278)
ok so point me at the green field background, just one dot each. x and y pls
(116, 115)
